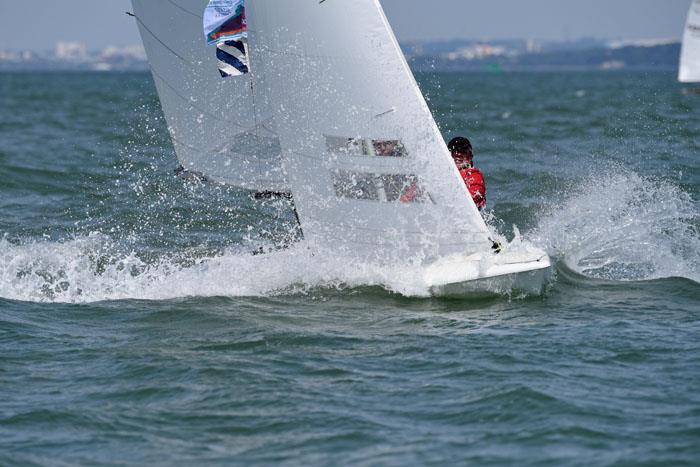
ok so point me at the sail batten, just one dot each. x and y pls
(689, 69)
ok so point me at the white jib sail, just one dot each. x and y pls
(689, 70)
(219, 127)
(368, 167)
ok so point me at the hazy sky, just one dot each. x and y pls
(39, 24)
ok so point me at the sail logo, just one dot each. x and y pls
(225, 20)
(233, 58)
(222, 7)
(226, 27)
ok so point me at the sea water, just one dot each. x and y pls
(136, 327)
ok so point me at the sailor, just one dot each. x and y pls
(463, 156)
(385, 148)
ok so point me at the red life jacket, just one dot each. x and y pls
(409, 195)
(476, 185)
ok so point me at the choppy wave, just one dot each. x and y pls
(91, 268)
(627, 228)
(618, 225)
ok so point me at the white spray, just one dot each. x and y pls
(621, 226)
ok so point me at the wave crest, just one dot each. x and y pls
(624, 227)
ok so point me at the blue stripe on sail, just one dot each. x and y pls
(231, 60)
(234, 62)
(236, 44)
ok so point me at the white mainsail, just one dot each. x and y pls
(689, 70)
(368, 167)
(219, 127)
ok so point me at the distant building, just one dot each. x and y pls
(120, 58)
(533, 47)
(134, 52)
(477, 52)
(450, 55)
(71, 51)
(8, 56)
(21, 56)
(647, 43)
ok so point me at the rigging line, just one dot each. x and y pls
(206, 153)
(160, 41)
(252, 76)
(180, 142)
(252, 96)
(203, 152)
(177, 93)
(248, 184)
(255, 113)
(184, 9)
(192, 104)
(196, 15)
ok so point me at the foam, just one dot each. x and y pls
(92, 268)
(618, 225)
(629, 228)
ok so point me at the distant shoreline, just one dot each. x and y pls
(456, 56)
(563, 69)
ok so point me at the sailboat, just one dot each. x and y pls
(689, 68)
(329, 114)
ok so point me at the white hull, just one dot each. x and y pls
(509, 272)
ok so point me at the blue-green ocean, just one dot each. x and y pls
(137, 329)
